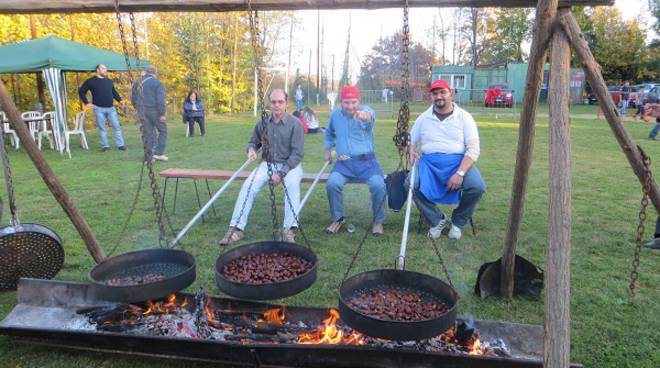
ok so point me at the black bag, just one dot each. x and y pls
(396, 190)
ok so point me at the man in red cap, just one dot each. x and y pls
(449, 142)
(350, 132)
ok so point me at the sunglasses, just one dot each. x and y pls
(277, 102)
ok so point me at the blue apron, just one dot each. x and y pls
(435, 170)
(359, 168)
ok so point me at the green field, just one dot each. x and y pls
(608, 328)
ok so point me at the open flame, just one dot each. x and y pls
(475, 347)
(164, 307)
(275, 316)
(330, 334)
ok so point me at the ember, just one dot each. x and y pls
(397, 305)
(134, 280)
(266, 268)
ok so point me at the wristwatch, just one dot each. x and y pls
(460, 173)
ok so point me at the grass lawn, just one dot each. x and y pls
(608, 328)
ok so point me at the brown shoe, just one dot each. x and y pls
(288, 236)
(377, 230)
(233, 235)
(335, 227)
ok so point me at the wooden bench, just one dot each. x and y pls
(206, 175)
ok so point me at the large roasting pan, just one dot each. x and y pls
(270, 291)
(429, 286)
(177, 265)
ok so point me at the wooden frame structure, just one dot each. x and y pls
(555, 25)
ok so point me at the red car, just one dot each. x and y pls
(498, 95)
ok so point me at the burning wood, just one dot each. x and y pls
(200, 320)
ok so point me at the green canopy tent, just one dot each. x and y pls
(54, 56)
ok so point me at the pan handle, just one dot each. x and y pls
(401, 259)
(312, 187)
(208, 205)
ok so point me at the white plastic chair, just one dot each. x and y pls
(46, 130)
(78, 129)
(6, 128)
(33, 126)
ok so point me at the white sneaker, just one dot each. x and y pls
(436, 231)
(455, 232)
(160, 158)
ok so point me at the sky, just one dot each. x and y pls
(367, 26)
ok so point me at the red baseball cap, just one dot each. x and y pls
(439, 84)
(350, 93)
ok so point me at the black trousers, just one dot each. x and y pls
(191, 125)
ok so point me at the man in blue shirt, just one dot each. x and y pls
(351, 132)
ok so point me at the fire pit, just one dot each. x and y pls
(230, 331)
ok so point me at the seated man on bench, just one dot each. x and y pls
(449, 142)
(286, 147)
(351, 131)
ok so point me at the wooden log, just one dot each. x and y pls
(596, 81)
(49, 176)
(556, 340)
(101, 6)
(545, 16)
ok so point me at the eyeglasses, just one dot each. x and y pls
(277, 102)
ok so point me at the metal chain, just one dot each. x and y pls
(155, 192)
(265, 146)
(442, 262)
(247, 195)
(402, 137)
(8, 180)
(634, 275)
(295, 215)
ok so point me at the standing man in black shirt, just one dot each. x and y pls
(103, 93)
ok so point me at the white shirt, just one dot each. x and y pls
(456, 134)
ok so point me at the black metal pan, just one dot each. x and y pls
(270, 291)
(175, 267)
(429, 286)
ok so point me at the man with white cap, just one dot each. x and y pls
(449, 142)
(350, 132)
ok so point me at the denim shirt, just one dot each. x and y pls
(350, 137)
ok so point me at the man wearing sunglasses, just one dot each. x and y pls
(286, 147)
(449, 142)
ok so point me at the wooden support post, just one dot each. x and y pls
(48, 175)
(546, 11)
(556, 347)
(596, 81)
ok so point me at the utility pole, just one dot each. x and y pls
(332, 74)
(288, 62)
(40, 80)
(318, 53)
(73, 38)
(309, 75)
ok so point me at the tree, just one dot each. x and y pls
(509, 31)
(385, 61)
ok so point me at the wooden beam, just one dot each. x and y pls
(49, 177)
(596, 81)
(545, 16)
(556, 340)
(102, 6)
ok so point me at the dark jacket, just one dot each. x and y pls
(154, 94)
(189, 113)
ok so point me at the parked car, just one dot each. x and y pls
(632, 96)
(614, 91)
(498, 95)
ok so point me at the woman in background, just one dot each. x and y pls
(193, 111)
(312, 120)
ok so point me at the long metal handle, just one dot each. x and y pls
(401, 260)
(312, 187)
(208, 204)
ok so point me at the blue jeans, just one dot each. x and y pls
(471, 192)
(656, 129)
(292, 181)
(624, 106)
(103, 114)
(335, 187)
(299, 104)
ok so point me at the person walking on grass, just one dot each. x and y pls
(148, 98)
(103, 96)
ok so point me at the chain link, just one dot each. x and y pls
(442, 262)
(8, 180)
(155, 191)
(634, 274)
(401, 137)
